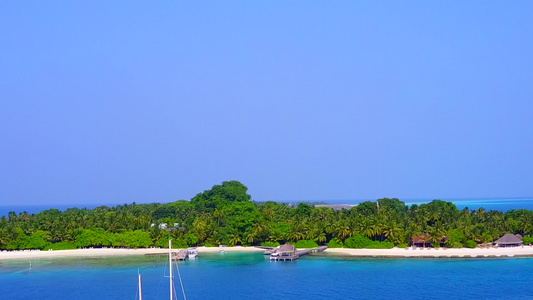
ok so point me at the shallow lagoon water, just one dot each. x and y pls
(252, 276)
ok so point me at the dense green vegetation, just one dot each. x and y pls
(225, 214)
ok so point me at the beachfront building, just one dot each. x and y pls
(167, 226)
(509, 240)
(286, 250)
(422, 240)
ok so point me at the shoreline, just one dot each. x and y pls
(525, 251)
(109, 252)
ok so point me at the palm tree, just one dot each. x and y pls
(259, 228)
(436, 233)
(368, 231)
(218, 213)
(276, 237)
(295, 236)
(391, 230)
(200, 227)
(269, 212)
(250, 238)
(234, 239)
(344, 231)
(525, 223)
(377, 230)
(321, 238)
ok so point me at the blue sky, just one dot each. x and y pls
(122, 101)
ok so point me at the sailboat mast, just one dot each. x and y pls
(170, 268)
(140, 288)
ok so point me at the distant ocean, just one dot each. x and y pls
(502, 204)
(33, 209)
(251, 276)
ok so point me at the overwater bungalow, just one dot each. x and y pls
(509, 240)
(285, 252)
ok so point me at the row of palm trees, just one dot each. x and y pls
(385, 219)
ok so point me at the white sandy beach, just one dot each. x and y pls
(103, 252)
(432, 252)
(392, 253)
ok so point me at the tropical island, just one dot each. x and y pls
(225, 214)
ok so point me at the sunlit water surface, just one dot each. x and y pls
(251, 276)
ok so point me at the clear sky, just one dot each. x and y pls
(155, 101)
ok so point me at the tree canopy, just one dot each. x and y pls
(221, 195)
(225, 214)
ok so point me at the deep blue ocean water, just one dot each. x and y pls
(251, 276)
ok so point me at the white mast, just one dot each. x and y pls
(140, 288)
(170, 268)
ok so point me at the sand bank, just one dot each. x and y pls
(524, 251)
(102, 252)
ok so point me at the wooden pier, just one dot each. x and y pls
(180, 255)
(288, 252)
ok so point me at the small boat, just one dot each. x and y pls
(192, 252)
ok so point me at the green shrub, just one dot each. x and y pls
(435, 245)
(12, 246)
(357, 241)
(335, 243)
(306, 244)
(135, 239)
(380, 245)
(456, 239)
(178, 243)
(453, 244)
(191, 239)
(471, 244)
(527, 240)
(207, 244)
(61, 246)
(402, 245)
(94, 237)
(269, 244)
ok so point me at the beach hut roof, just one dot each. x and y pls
(509, 239)
(518, 236)
(286, 248)
(421, 238)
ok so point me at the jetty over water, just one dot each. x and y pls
(180, 255)
(288, 252)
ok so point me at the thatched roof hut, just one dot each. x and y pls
(509, 240)
(420, 240)
(287, 248)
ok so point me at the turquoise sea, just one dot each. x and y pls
(501, 204)
(251, 276)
